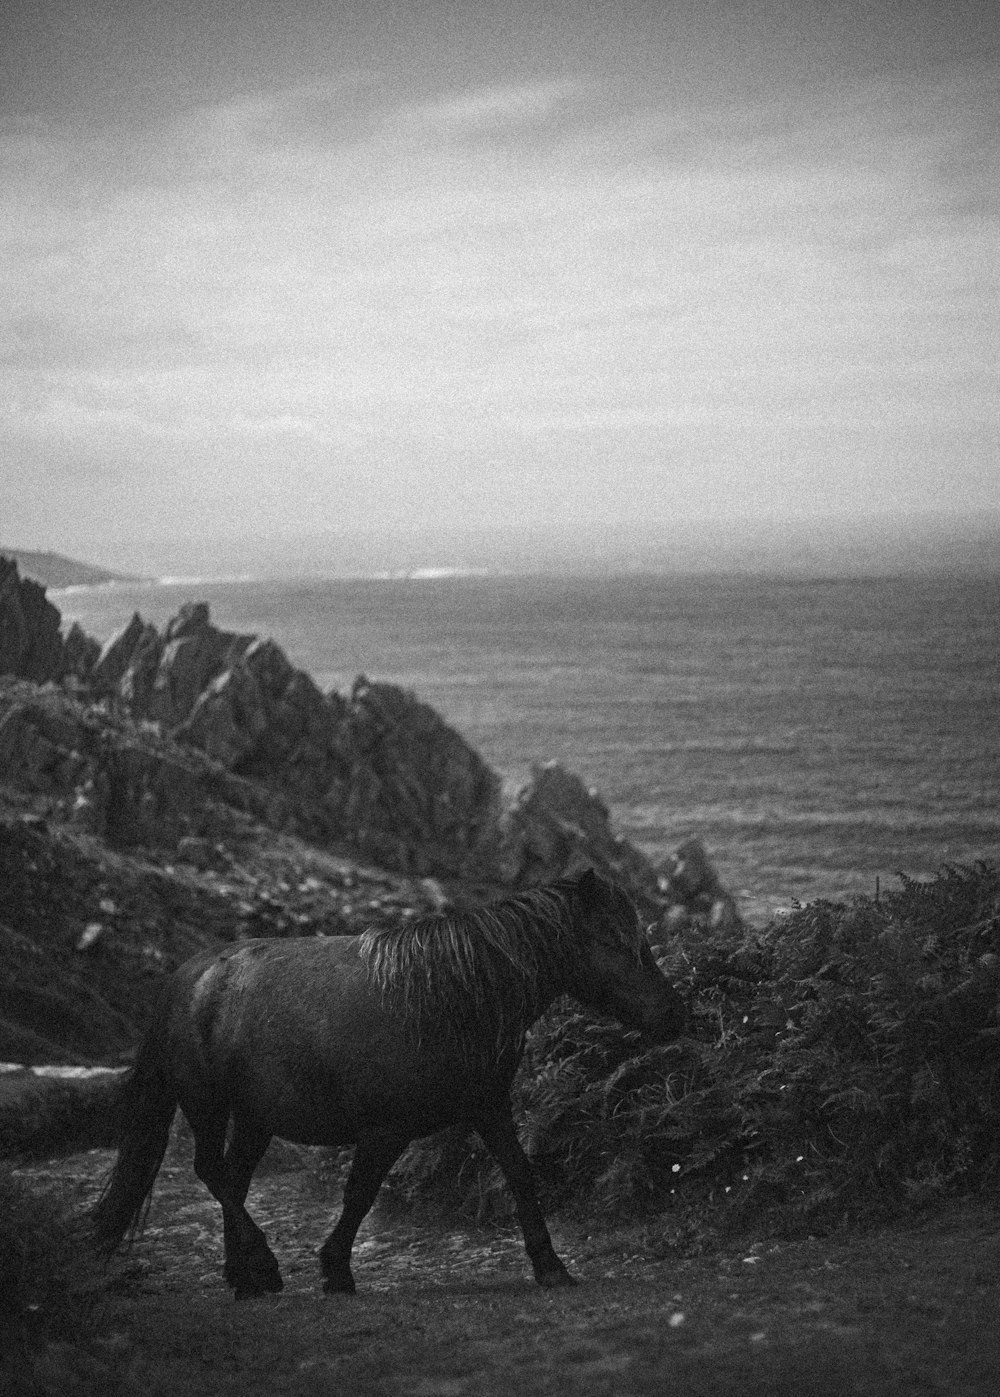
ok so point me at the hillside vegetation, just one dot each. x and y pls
(844, 1066)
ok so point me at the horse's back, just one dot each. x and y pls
(249, 990)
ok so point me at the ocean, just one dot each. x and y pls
(817, 735)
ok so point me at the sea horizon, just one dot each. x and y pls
(433, 573)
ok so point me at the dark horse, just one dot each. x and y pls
(373, 1040)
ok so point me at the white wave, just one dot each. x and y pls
(208, 580)
(111, 585)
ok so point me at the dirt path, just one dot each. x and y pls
(440, 1313)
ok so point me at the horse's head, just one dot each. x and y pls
(616, 973)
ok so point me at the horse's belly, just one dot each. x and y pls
(316, 1117)
(303, 1129)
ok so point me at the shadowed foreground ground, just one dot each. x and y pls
(910, 1309)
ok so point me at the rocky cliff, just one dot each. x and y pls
(159, 736)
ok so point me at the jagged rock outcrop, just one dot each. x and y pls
(378, 771)
(556, 827)
(194, 652)
(116, 780)
(116, 654)
(80, 654)
(692, 888)
(264, 718)
(31, 645)
(416, 795)
(162, 677)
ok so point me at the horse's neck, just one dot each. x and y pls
(541, 994)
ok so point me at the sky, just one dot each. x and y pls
(329, 286)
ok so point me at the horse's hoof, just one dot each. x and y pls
(339, 1285)
(550, 1280)
(264, 1278)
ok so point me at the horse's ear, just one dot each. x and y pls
(589, 885)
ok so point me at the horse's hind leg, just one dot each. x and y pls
(501, 1140)
(373, 1158)
(246, 1149)
(251, 1267)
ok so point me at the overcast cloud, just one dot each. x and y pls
(596, 290)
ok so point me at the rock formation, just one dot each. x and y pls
(30, 643)
(417, 796)
(162, 677)
(241, 728)
(263, 718)
(116, 779)
(556, 827)
(692, 888)
(379, 770)
(80, 654)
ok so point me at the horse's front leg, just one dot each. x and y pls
(501, 1140)
(374, 1156)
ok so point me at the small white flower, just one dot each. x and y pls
(89, 936)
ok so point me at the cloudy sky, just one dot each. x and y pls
(443, 277)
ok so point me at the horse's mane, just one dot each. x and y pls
(482, 969)
(484, 975)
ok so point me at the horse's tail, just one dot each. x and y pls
(146, 1107)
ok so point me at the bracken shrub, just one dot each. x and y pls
(36, 1299)
(50, 1288)
(844, 1065)
(36, 1245)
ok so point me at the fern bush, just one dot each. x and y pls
(46, 1288)
(845, 1063)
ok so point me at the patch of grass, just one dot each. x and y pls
(49, 1286)
(844, 1067)
(36, 1240)
(46, 1115)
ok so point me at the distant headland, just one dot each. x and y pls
(55, 570)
